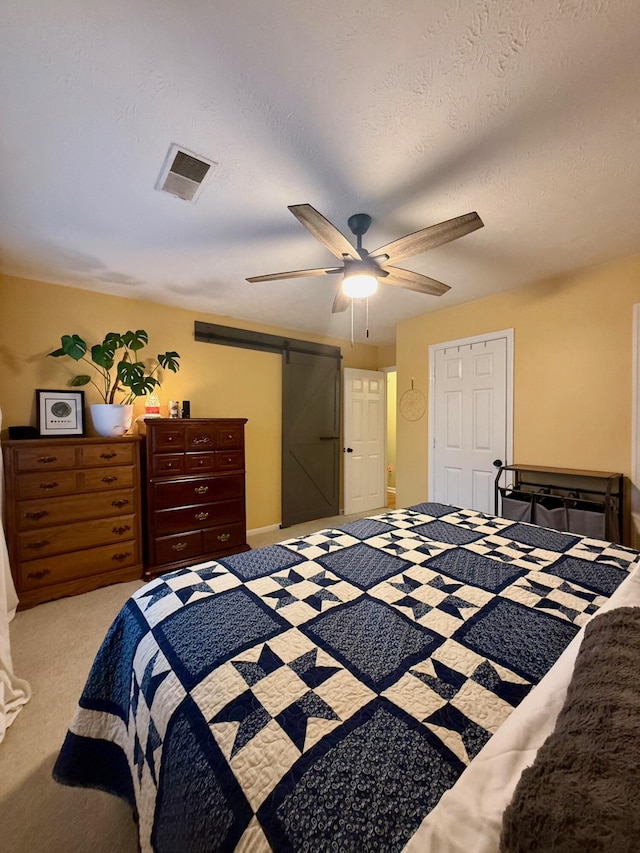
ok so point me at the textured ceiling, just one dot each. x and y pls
(527, 111)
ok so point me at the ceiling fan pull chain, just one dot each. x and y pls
(367, 315)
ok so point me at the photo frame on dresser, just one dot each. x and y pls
(59, 413)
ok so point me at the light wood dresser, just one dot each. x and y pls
(73, 514)
(195, 495)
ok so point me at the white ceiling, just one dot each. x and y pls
(413, 111)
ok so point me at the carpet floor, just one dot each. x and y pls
(53, 646)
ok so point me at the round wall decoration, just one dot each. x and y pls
(413, 404)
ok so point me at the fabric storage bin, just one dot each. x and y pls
(516, 505)
(550, 511)
(587, 519)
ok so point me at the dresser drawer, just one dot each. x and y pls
(227, 460)
(71, 537)
(182, 546)
(229, 437)
(45, 457)
(114, 453)
(187, 518)
(40, 484)
(167, 463)
(200, 463)
(79, 564)
(200, 436)
(222, 538)
(166, 437)
(196, 490)
(114, 478)
(62, 510)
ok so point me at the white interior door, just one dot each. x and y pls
(364, 439)
(470, 397)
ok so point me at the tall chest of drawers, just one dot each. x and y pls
(195, 493)
(73, 515)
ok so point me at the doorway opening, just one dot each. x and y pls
(390, 461)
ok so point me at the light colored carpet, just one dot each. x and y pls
(53, 646)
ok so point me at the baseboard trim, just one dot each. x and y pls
(271, 527)
(258, 530)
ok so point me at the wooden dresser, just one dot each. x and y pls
(195, 495)
(73, 515)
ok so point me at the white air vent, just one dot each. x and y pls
(183, 173)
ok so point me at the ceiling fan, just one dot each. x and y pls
(362, 269)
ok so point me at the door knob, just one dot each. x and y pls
(348, 449)
(497, 463)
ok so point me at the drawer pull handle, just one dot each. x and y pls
(120, 557)
(201, 490)
(201, 439)
(108, 454)
(36, 516)
(39, 575)
(53, 485)
(229, 459)
(169, 438)
(179, 546)
(201, 516)
(229, 435)
(169, 464)
(47, 459)
(37, 545)
(121, 530)
(111, 479)
(224, 537)
(119, 503)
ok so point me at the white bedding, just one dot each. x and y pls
(468, 818)
(14, 691)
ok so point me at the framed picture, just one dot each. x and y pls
(60, 413)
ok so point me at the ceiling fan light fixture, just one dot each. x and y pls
(359, 285)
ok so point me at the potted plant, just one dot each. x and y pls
(118, 371)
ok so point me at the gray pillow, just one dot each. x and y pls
(582, 793)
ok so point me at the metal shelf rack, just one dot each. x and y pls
(589, 503)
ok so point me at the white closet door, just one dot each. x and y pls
(469, 387)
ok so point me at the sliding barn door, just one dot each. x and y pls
(310, 437)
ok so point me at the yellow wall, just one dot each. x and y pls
(386, 356)
(572, 370)
(219, 381)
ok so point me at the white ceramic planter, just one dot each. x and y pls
(111, 419)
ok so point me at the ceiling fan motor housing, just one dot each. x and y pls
(359, 223)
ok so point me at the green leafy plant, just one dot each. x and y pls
(132, 378)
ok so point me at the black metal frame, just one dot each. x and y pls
(601, 489)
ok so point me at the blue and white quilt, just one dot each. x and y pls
(323, 693)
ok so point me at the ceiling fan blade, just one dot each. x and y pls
(415, 281)
(429, 238)
(295, 274)
(323, 231)
(341, 302)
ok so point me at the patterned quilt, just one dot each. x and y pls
(323, 693)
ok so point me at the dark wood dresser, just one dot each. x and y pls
(195, 493)
(73, 515)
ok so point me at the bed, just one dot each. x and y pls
(343, 691)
